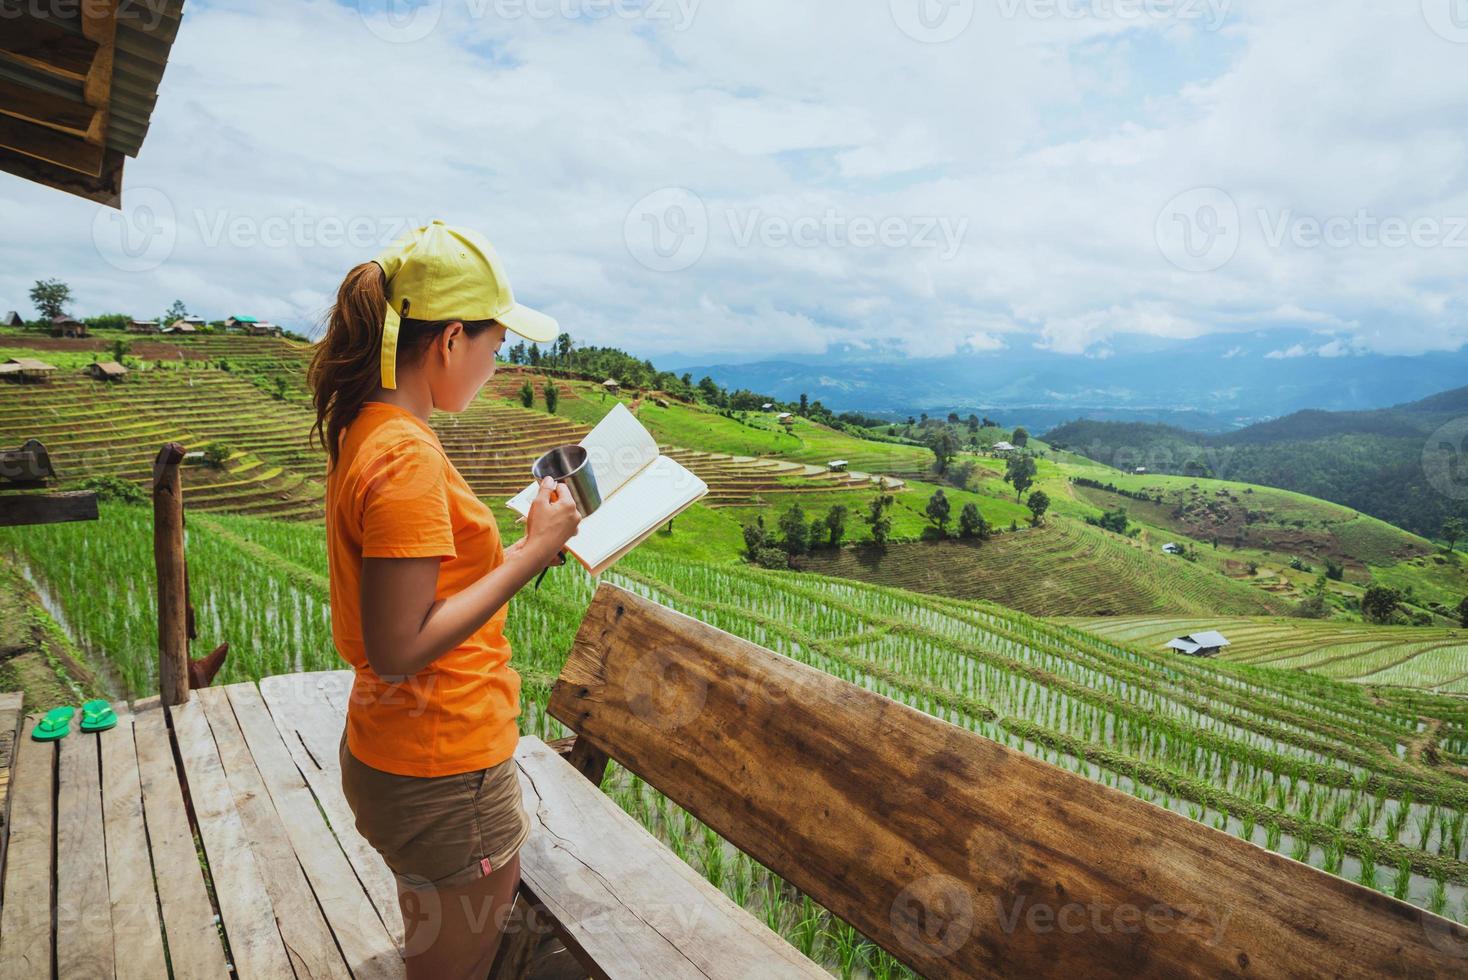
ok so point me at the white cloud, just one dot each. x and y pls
(1055, 141)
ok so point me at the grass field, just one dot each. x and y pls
(1431, 658)
(1306, 766)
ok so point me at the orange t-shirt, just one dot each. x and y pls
(393, 493)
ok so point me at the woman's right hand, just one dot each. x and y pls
(551, 523)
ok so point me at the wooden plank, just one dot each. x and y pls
(45, 108)
(99, 24)
(959, 856)
(308, 940)
(48, 47)
(365, 942)
(25, 916)
(137, 932)
(83, 904)
(71, 152)
(239, 884)
(623, 900)
(311, 729)
(194, 947)
(10, 719)
(47, 508)
(104, 189)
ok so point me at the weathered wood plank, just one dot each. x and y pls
(48, 47)
(369, 950)
(10, 719)
(239, 885)
(83, 904)
(137, 936)
(959, 856)
(244, 904)
(623, 900)
(308, 940)
(47, 508)
(46, 108)
(311, 729)
(25, 918)
(194, 947)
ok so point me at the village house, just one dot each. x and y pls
(1002, 447)
(26, 369)
(610, 386)
(143, 326)
(66, 326)
(106, 370)
(180, 326)
(1204, 644)
(12, 319)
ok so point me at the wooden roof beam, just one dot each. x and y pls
(45, 108)
(48, 47)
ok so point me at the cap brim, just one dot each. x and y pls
(531, 324)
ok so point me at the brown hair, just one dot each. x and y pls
(346, 368)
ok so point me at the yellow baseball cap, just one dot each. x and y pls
(438, 272)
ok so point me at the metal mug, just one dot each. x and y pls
(571, 466)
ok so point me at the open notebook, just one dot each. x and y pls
(640, 491)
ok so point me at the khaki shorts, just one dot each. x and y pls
(438, 830)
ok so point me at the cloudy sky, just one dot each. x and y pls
(754, 178)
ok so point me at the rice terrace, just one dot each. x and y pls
(760, 600)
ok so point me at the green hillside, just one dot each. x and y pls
(1387, 463)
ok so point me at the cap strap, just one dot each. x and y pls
(390, 326)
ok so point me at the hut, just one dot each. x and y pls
(107, 370)
(767, 406)
(1172, 548)
(262, 328)
(12, 319)
(142, 326)
(1204, 644)
(26, 369)
(67, 326)
(785, 419)
(1002, 448)
(837, 465)
(610, 386)
(180, 326)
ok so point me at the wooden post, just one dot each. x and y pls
(168, 558)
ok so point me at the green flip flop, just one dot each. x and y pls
(98, 716)
(54, 724)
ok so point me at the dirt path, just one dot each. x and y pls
(35, 657)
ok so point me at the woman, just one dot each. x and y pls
(419, 586)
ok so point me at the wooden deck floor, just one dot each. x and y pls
(122, 844)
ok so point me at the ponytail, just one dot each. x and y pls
(346, 367)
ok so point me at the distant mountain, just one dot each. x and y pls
(1211, 384)
(1407, 464)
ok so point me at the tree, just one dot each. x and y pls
(1334, 570)
(175, 312)
(120, 348)
(804, 404)
(1463, 612)
(836, 524)
(1039, 503)
(943, 445)
(794, 532)
(51, 297)
(1020, 471)
(1380, 602)
(756, 538)
(877, 519)
(1021, 437)
(1453, 530)
(552, 396)
(939, 510)
(535, 355)
(971, 523)
(527, 394)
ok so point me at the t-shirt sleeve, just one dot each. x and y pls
(405, 504)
